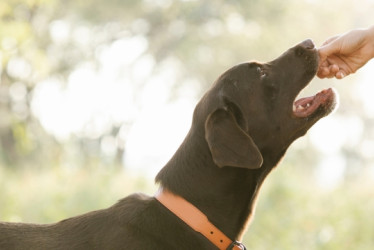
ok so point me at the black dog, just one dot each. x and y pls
(241, 129)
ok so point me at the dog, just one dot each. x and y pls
(240, 131)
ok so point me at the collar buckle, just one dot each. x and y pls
(236, 245)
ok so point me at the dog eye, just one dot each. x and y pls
(262, 72)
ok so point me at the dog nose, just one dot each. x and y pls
(307, 44)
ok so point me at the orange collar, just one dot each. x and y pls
(198, 221)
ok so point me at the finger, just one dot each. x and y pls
(334, 69)
(330, 47)
(322, 59)
(323, 72)
(326, 51)
(340, 74)
(321, 75)
(323, 63)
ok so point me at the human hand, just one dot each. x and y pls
(344, 54)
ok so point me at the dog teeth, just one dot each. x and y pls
(297, 108)
(300, 107)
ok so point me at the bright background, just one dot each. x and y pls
(96, 96)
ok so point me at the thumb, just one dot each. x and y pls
(324, 53)
(327, 50)
(329, 47)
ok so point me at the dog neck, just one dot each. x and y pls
(197, 220)
(227, 196)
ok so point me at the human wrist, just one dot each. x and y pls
(370, 39)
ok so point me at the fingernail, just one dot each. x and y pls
(341, 75)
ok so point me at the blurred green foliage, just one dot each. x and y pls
(44, 196)
(45, 179)
(293, 213)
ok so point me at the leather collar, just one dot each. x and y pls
(196, 219)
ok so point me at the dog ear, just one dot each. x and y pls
(228, 143)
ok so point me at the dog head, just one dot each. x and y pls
(251, 109)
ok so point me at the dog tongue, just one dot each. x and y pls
(308, 105)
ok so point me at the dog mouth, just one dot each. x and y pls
(320, 104)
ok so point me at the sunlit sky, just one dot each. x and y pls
(94, 98)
